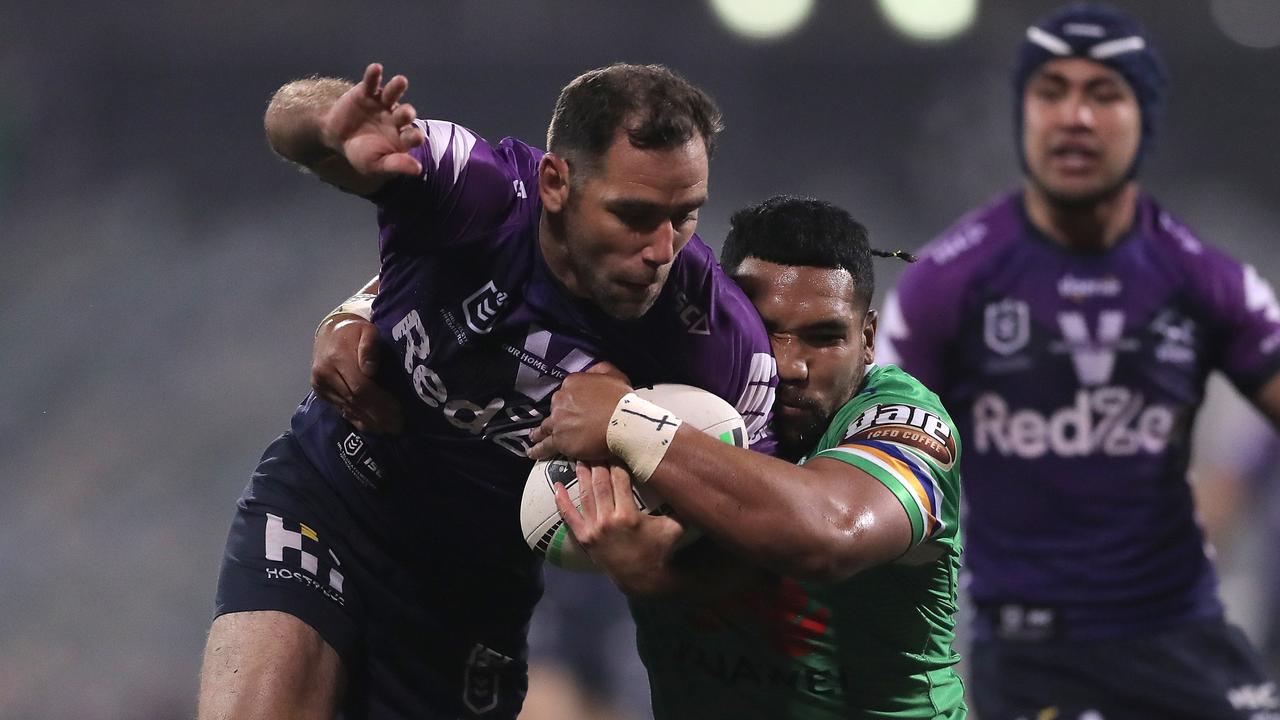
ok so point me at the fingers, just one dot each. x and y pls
(568, 511)
(586, 495)
(372, 79)
(394, 90)
(343, 365)
(399, 164)
(410, 135)
(604, 367)
(544, 447)
(376, 407)
(602, 489)
(367, 350)
(620, 484)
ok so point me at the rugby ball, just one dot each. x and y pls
(540, 521)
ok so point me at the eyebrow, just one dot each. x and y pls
(1061, 79)
(645, 207)
(827, 325)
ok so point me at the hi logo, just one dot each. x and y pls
(481, 308)
(1093, 353)
(279, 538)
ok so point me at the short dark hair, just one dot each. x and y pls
(658, 108)
(805, 232)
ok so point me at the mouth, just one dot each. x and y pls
(792, 407)
(637, 288)
(1074, 156)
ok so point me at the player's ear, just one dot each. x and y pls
(553, 182)
(869, 336)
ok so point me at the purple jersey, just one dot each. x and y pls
(1074, 377)
(478, 334)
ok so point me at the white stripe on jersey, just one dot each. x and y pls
(443, 136)
(757, 396)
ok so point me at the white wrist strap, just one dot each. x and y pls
(360, 305)
(640, 433)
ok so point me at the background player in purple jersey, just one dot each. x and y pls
(383, 575)
(1070, 327)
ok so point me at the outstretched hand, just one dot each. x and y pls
(372, 129)
(344, 361)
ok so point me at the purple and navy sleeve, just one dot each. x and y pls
(1242, 305)
(467, 188)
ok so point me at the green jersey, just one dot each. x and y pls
(877, 645)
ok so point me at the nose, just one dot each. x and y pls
(792, 365)
(661, 248)
(1079, 111)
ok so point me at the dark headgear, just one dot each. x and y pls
(1105, 35)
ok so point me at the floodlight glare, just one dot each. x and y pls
(762, 19)
(929, 20)
(1252, 23)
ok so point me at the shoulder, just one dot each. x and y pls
(451, 148)
(1206, 273)
(706, 301)
(890, 396)
(1175, 242)
(950, 262)
(895, 430)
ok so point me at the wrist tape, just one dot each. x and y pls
(360, 305)
(640, 433)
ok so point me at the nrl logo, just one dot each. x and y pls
(481, 308)
(1006, 326)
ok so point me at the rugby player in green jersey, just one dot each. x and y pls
(837, 596)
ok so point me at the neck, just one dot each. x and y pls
(1094, 225)
(555, 252)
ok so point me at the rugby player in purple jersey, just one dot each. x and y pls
(384, 575)
(1070, 327)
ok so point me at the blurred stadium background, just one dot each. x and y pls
(165, 271)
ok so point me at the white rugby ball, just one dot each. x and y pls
(544, 530)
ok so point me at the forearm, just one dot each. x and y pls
(789, 519)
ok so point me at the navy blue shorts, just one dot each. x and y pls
(1202, 670)
(410, 645)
